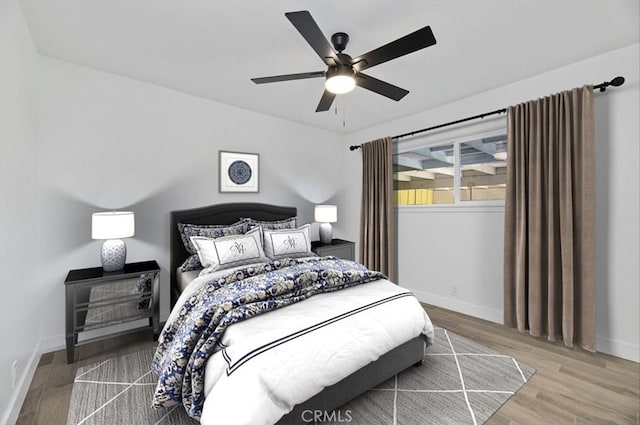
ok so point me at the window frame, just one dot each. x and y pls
(456, 141)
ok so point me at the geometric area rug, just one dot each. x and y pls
(459, 382)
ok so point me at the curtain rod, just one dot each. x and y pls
(616, 82)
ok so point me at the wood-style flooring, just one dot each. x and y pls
(47, 401)
(570, 386)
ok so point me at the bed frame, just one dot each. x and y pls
(408, 354)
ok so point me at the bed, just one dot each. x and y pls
(372, 373)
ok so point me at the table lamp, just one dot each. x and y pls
(113, 226)
(325, 215)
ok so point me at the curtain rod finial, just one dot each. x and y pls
(354, 147)
(617, 82)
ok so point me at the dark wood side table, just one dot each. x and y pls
(95, 299)
(338, 248)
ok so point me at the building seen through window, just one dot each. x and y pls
(428, 175)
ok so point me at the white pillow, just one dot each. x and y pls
(288, 243)
(229, 251)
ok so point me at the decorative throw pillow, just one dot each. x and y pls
(210, 231)
(191, 263)
(229, 251)
(289, 223)
(293, 243)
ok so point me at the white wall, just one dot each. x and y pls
(439, 249)
(109, 142)
(443, 250)
(93, 141)
(98, 141)
(19, 284)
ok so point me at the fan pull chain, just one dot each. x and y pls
(344, 112)
(344, 109)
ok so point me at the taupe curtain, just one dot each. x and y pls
(377, 223)
(549, 286)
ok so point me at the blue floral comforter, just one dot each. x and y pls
(187, 342)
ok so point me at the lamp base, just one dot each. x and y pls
(326, 232)
(113, 255)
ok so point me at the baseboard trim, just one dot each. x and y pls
(618, 348)
(52, 343)
(474, 310)
(45, 345)
(22, 387)
(604, 345)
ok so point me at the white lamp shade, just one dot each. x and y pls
(326, 213)
(112, 225)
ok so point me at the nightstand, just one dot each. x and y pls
(338, 248)
(95, 299)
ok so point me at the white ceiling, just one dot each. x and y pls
(212, 48)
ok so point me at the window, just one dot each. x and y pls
(452, 173)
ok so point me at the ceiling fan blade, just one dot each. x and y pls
(403, 46)
(288, 77)
(325, 101)
(378, 86)
(308, 28)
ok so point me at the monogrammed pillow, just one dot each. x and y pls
(229, 251)
(210, 231)
(288, 243)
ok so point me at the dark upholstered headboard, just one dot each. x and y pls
(216, 214)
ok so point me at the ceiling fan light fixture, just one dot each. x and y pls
(340, 80)
(345, 72)
(340, 84)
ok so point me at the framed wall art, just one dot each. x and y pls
(238, 172)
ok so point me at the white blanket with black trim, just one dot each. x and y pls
(263, 367)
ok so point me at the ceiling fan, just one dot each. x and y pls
(345, 72)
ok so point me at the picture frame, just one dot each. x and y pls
(239, 172)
